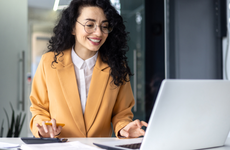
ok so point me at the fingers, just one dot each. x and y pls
(124, 133)
(53, 121)
(59, 128)
(44, 127)
(40, 128)
(52, 129)
(49, 130)
(144, 123)
(52, 132)
(142, 132)
(138, 123)
(134, 129)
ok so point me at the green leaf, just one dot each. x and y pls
(16, 126)
(10, 131)
(7, 117)
(23, 120)
(11, 106)
(1, 132)
(19, 125)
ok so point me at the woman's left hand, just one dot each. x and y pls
(133, 129)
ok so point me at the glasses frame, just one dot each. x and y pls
(94, 28)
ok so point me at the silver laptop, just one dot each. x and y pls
(188, 114)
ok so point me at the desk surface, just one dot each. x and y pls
(90, 141)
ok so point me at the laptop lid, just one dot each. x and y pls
(188, 114)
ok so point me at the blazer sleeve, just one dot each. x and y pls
(39, 99)
(122, 113)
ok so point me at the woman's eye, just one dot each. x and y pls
(90, 26)
(105, 27)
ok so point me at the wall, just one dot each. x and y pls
(13, 40)
(194, 39)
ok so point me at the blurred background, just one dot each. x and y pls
(178, 39)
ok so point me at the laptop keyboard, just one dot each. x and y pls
(131, 146)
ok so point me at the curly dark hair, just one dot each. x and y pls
(112, 52)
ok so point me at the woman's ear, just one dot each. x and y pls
(73, 31)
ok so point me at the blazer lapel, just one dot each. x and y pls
(98, 85)
(68, 81)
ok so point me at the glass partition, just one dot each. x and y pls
(133, 14)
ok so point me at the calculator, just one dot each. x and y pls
(33, 140)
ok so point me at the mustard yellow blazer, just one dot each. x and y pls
(55, 94)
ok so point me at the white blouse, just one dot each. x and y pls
(83, 71)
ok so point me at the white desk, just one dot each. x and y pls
(90, 141)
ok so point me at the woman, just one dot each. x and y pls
(83, 81)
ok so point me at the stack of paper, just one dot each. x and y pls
(58, 146)
(4, 145)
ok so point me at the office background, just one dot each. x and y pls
(182, 39)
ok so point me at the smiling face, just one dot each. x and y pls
(87, 44)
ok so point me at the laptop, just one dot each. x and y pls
(188, 114)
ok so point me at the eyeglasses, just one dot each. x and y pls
(91, 26)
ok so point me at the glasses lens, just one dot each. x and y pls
(106, 28)
(90, 26)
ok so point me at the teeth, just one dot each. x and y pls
(93, 40)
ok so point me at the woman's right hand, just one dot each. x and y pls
(48, 131)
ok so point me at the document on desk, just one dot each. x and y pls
(4, 145)
(58, 146)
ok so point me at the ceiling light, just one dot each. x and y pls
(56, 4)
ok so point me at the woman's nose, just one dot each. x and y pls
(98, 30)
